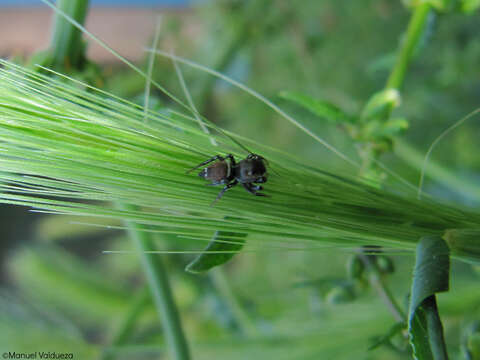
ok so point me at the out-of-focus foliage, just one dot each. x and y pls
(339, 52)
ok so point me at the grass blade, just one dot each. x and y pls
(161, 291)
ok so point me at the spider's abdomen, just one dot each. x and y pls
(216, 172)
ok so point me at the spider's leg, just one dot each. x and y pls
(216, 157)
(220, 194)
(215, 183)
(252, 189)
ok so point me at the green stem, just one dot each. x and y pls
(159, 288)
(435, 171)
(125, 329)
(376, 281)
(414, 32)
(415, 29)
(241, 317)
(66, 43)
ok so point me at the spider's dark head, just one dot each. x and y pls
(253, 156)
(252, 170)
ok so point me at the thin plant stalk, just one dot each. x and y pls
(152, 264)
(436, 171)
(376, 281)
(415, 30)
(66, 43)
(241, 317)
(125, 329)
(160, 289)
(151, 61)
(435, 142)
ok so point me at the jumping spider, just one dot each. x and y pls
(249, 172)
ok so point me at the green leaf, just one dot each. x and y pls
(320, 108)
(223, 246)
(430, 277)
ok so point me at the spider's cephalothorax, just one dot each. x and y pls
(249, 172)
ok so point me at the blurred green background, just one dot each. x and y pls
(60, 293)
